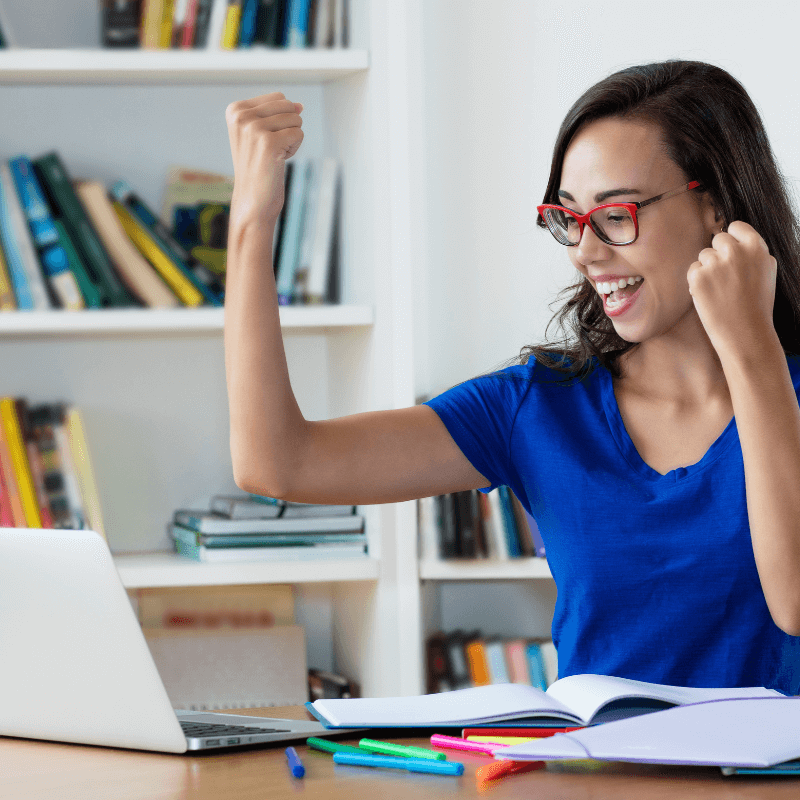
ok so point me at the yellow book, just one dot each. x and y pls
(19, 461)
(165, 31)
(230, 33)
(149, 248)
(8, 302)
(83, 467)
(152, 14)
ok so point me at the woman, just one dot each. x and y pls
(664, 472)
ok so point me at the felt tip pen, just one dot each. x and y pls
(331, 747)
(296, 766)
(505, 767)
(454, 743)
(411, 764)
(401, 750)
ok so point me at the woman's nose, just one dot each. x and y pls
(590, 248)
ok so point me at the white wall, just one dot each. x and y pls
(499, 76)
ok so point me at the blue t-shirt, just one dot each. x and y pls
(655, 574)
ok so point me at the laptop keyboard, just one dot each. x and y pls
(194, 729)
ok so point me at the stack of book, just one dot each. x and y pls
(471, 524)
(460, 659)
(75, 244)
(255, 528)
(46, 474)
(224, 24)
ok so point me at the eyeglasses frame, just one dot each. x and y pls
(632, 208)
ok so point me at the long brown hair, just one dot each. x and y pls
(714, 133)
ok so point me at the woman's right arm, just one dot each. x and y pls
(374, 457)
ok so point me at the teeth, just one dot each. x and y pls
(607, 288)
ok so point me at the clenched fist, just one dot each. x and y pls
(263, 133)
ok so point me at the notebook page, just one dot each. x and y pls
(740, 732)
(587, 694)
(494, 702)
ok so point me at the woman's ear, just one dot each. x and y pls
(713, 218)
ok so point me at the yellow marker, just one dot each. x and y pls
(503, 739)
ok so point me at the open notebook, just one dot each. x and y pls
(749, 732)
(577, 699)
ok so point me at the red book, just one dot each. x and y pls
(532, 732)
(188, 30)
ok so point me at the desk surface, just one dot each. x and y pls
(50, 771)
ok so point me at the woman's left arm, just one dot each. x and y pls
(733, 288)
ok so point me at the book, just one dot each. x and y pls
(289, 255)
(140, 211)
(66, 206)
(323, 24)
(743, 730)
(230, 31)
(119, 23)
(496, 659)
(79, 449)
(24, 266)
(202, 23)
(7, 37)
(269, 23)
(92, 296)
(188, 28)
(216, 24)
(517, 662)
(509, 523)
(247, 28)
(495, 528)
(35, 462)
(477, 662)
(279, 553)
(12, 434)
(192, 537)
(152, 15)
(297, 23)
(322, 244)
(158, 257)
(179, 13)
(578, 699)
(139, 275)
(247, 507)
(209, 522)
(11, 485)
(7, 300)
(69, 469)
(533, 654)
(52, 257)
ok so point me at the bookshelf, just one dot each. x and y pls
(151, 384)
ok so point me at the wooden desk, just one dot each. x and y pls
(50, 771)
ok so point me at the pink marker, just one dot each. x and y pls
(454, 743)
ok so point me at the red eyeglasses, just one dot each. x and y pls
(613, 223)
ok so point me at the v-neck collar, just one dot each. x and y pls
(631, 454)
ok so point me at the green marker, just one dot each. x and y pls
(403, 751)
(331, 747)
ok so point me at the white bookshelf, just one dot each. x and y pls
(323, 319)
(151, 383)
(488, 569)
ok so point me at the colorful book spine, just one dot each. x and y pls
(230, 32)
(189, 28)
(6, 513)
(475, 651)
(157, 256)
(297, 23)
(290, 238)
(152, 14)
(70, 473)
(496, 659)
(19, 461)
(517, 662)
(10, 481)
(65, 204)
(45, 236)
(247, 30)
(536, 665)
(120, 23)
(7, 300)
(509, 525)
(92, 296)
(79, 448)
(165, 29)
(140, 211)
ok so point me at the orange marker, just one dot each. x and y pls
(505, 767)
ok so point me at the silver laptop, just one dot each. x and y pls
(74, 663)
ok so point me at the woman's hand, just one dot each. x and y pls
(263, 133)
(732, 284)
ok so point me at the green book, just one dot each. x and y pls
(66, 206)
(91, 294)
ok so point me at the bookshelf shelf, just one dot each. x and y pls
(484, 569)
(174, 67)
(143, 570)
(316, 319)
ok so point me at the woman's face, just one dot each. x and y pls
(614, 154)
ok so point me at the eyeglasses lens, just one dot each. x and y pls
(613, 225)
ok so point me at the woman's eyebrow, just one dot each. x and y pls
(600, 196)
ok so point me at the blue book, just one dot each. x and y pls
(123, 193)
(16, 269)
(247, 26)
(289, 255)
(297, 23)
(45, 235)
(536, 666)
(496, 656)
(509, 524)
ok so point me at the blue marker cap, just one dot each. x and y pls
(298, 770)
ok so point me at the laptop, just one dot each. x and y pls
(75, 665)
